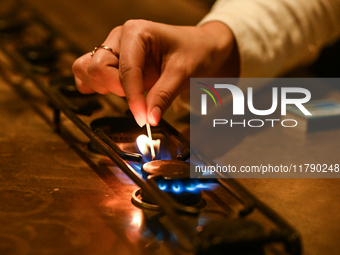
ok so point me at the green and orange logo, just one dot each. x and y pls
(204, 96)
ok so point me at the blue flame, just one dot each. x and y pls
(177, 187)
(190, 186)
(162, 186)
(206, 185)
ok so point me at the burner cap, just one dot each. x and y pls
(169, 169)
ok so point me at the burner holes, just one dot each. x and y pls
(122, 138)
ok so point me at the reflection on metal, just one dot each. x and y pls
(137, 201)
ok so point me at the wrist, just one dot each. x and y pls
(225, 52)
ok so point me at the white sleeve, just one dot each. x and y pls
(274, 36)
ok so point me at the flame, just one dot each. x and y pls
(191, 186)
(143, 144)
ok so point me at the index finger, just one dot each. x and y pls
(133, 51)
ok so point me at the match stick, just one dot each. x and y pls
(148, 129)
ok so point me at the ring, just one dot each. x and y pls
(105, 48)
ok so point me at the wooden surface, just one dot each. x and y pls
(311, 205)
(88, 22)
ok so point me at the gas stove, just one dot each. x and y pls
(142, 206)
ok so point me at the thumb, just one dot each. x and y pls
(162, 94)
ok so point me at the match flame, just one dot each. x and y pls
(143, 144)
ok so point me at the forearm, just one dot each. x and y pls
(225, 58)
(276, 36)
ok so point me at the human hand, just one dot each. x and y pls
(158, 58)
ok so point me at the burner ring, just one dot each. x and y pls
(138, 201)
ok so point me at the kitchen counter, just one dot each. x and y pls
(54, 201)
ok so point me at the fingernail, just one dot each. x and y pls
(140, 120)
(155, 115)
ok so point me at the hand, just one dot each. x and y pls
(158, 58)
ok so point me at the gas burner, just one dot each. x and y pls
(173, 178)
(118, 129)
(120, 133)
(237, 236)
(67, 86)
(84, 104)
(43, 54)
(41, 58)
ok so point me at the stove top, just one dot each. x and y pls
(73, 181)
